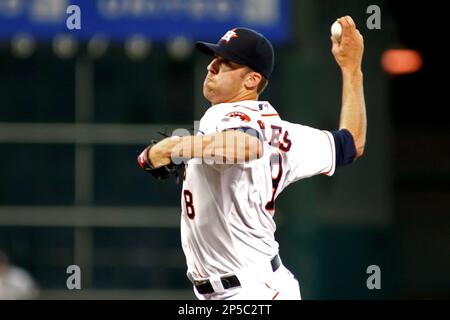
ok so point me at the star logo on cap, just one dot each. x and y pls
(229, 35)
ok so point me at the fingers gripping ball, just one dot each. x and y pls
(336, 30)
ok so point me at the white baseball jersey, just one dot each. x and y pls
(227, 210)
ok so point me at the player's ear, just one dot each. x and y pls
(252, 80)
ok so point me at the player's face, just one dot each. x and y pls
(224, 81)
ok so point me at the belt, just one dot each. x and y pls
(228, 282)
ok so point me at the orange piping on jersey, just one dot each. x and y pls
(275, 295)
(333, 156)
(270, 115)
(245, 108)
(264, 115)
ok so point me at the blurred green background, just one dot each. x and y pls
(71, 191)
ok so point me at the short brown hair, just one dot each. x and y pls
(262, 85)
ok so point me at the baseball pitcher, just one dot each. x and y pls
(243, 156)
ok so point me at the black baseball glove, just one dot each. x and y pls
(161, 173)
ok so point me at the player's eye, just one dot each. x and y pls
(224, 61)
(228, 63)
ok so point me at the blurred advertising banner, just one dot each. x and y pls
(157, 20)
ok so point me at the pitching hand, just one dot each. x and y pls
(349, 50)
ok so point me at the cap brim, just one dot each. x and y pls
(207, 48)
(211, 49)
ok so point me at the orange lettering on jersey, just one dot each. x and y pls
(229, 35)
(286, 144)
(283, 144)
(240, 115)
(263, 128)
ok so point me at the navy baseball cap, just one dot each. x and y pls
(244, 46)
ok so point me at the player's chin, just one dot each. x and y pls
(208, 93)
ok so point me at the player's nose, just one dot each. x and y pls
(213, 66)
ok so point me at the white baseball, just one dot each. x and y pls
(336, 30)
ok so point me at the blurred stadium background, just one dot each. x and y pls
(76, 107)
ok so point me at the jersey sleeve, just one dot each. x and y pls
(312, 153)
(231, 118)
(239, 118)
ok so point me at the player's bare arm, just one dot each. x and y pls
(348, 53)
(232, 146)
(160, 154)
